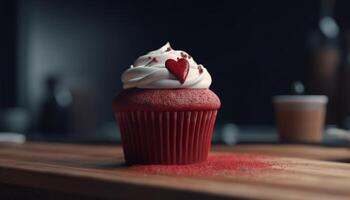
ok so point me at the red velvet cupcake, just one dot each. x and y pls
(166, 112)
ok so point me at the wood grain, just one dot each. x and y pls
(341, 154)
(300, 172)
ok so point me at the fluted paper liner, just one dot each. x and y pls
(166, 137)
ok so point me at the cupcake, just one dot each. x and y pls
(166, 111)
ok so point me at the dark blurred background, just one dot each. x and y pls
(61, 61)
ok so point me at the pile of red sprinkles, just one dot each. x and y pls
(220, 165)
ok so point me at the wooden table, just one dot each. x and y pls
(67, 171)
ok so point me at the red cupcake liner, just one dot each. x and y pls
(166, 137)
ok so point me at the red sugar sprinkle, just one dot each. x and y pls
(216, 166)
(200, 69)
(168, 49)
(183, 55)
(154, 60)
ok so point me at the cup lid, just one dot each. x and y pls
(301, 98)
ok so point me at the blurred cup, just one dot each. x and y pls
(300, 118)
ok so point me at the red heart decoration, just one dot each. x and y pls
(179, 68)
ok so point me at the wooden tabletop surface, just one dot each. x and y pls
(295, 172)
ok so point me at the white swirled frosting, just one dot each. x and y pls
(149, 71)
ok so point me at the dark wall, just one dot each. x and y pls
(253, 49)
(7, 53)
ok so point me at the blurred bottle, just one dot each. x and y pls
(344, 85)
(324, 58)
(55, 109)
